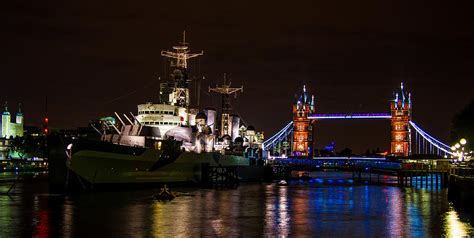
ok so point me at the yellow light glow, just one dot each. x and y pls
(457, 145)
(463, 141)
(454, 227)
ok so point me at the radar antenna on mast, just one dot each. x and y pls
(181, 54)
(225, 90)
(175, 91)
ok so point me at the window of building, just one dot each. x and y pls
(399, 148)
(300, 127)
(300, 147)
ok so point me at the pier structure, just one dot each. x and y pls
(410, 173)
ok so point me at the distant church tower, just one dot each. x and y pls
(401, 109)
(6, 120)
(302, 126)
(19, 122)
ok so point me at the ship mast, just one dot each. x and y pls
(176, 91)
(225, 90)
(181, 54)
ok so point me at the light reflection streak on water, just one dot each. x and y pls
(6, 215)
(366, 200)
(217, 222)
(68, 214)
(276, 211)
(135, 220)
(235, 212)
(454, 227)
(413, 209)
(167, 217)
(396, 221)
(283, 216)
(184, 212)
(351, 198)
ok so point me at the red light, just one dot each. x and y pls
(46, 120)
(46, 131)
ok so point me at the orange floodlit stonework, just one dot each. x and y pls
(400, 109)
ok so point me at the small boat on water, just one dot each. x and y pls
(282, 183)
(164, 195)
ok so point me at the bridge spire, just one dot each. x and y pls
(400, 119)
(302, 126)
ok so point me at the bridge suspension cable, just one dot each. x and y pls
(424, 147)
(278, 136)
(424, 142)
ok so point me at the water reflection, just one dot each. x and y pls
(303, 208)
(277, 210)
(454, 227)
(68, 214)
(395, 218)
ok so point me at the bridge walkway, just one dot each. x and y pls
(408, 172)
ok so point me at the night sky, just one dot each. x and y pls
(95, 57)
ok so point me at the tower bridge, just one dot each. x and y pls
(298, 136)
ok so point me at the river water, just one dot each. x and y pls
(330, 205)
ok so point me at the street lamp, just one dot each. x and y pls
(458, 149)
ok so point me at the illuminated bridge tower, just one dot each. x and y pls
(303, 126)
(400, 122)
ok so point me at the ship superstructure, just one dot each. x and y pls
(173, 118)
(167, 140)
(229, 124)
(174, 100)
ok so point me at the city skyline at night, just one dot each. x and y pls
(92, 62)
(236, 118)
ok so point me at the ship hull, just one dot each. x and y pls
(98, 167)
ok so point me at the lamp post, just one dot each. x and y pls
(458, 149)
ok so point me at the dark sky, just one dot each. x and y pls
(350, 54)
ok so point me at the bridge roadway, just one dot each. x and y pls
(318, 163)
(405, 170)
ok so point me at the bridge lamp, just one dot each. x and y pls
(463, 141)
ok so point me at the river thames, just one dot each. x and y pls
(329, 205)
